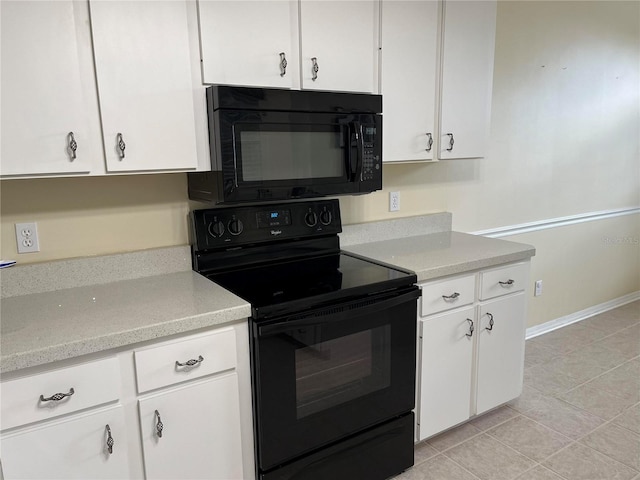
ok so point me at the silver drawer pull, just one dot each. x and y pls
(452, 297)
(283, 64)
(121, 145)
(451, 142)
(190, 363)
(159, 425)
(110, 441)
(471, 328)
(73, 145)
(429, 142)
(508, 283)
(58, 396)
(314, 69)
(490, 327)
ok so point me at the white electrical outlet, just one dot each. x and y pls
(538, 291)
(394, 201)
(27, 237)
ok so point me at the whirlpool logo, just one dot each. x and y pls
(275, 233)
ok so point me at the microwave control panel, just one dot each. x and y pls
(370, 158)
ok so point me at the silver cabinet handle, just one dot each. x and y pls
(121, 145)
(73, 145)
(471, 328)
(159, 425)
(190, 363)
(314, 69)
(283, 64)
(429, 142)
(58, 396)
(508, 283)
(490, 327)
(110, 441)
(451, 142)
(452, 297)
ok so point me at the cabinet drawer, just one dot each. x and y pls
(92, 384)
(447, 294)
(501, 281)
(187, 359)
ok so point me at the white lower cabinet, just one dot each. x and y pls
(501, 330)
(73, 448)
(57, 420)
(446, 346)
(192, 432)
(471, 357)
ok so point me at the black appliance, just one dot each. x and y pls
(274, 145)
(333, 340)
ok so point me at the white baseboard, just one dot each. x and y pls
(581, 315)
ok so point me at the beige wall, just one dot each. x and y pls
(564, 141)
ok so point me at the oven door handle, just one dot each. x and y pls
(346, 311)
(356, 150)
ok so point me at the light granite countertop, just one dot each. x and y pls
(65, 309)
(40, 328)
(446, 253)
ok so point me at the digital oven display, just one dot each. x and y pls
(273, 218)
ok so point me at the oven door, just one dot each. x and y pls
(330, 373)
(285, 155)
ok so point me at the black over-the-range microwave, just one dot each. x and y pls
(273, 145)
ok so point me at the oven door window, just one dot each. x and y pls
(340, 370)
(268, 153)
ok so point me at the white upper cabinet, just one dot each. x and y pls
(143, 68)
(436, 78)
(48, 93)
(308, 44)
(339, 45)
(467, 77)
(253, 43)
(408, 79)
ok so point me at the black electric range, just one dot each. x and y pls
(333, 340)
(285, 257)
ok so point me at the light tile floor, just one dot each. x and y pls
(578, 417)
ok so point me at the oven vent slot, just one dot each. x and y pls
(336, 310)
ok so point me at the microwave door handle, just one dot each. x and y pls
(355, 160)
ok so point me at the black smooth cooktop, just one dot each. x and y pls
(277, 288)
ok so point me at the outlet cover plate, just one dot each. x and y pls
(27, 237)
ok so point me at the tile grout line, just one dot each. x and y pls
(608, 422)
(571, 442)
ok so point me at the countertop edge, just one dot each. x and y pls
(122, 340)
(473, 265)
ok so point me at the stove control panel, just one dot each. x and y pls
(225, 227)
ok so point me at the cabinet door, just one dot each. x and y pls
(48, 89)
(500, 351)
(242, 42)
(145, 88)
(408, 79)
(446, 356)
(467, 77)
(343, 38)
(75, 448)
(200, 435)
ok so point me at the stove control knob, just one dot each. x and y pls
(235, 227)
(311, 219)
(216, 229)
(326, 217)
